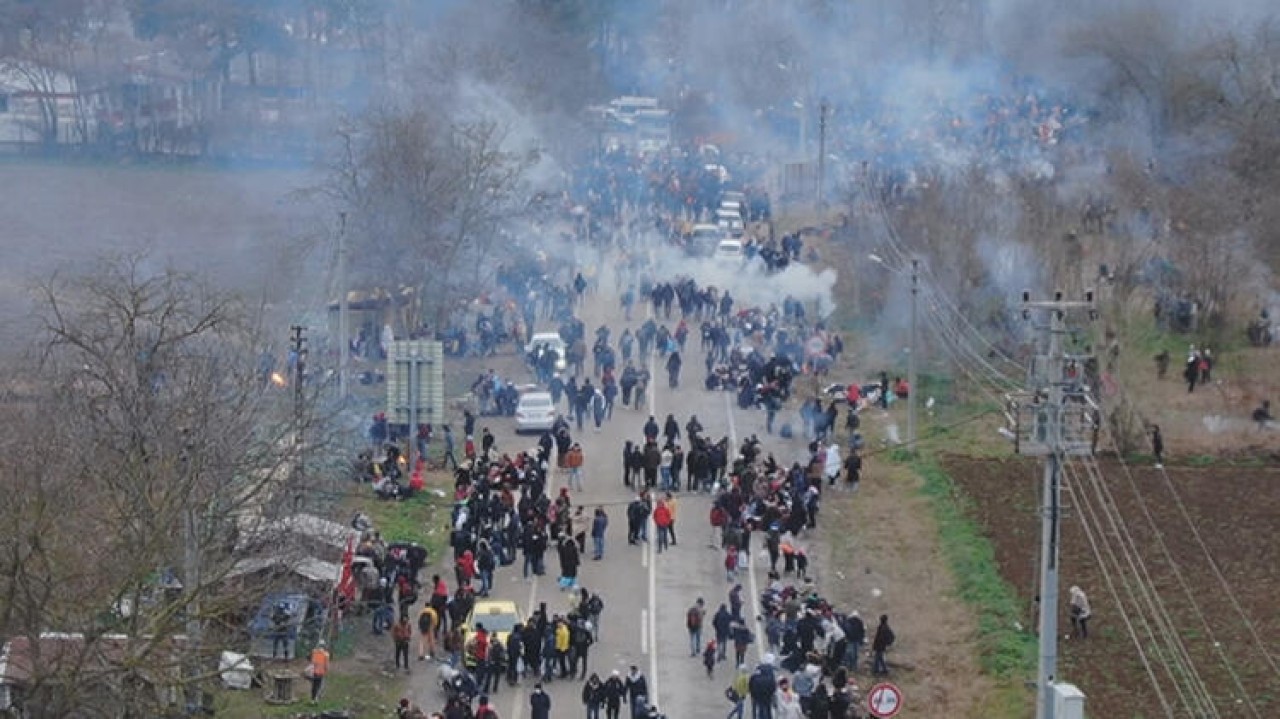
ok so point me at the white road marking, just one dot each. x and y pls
(761, 641)
(517, 703)
(653, 617)
(648, 556)
(644, 631)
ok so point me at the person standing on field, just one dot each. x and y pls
(319, 668)
(1080, 613)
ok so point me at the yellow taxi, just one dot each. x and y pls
(498, 616)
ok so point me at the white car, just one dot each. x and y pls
(730, 222)
(535, 412)
(729, 251)
(703, 239)
(551, 340)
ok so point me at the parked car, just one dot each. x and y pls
(535, 412)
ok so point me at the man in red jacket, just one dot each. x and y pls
(662, 519)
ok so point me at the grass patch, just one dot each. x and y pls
(363, 695)
(1004, 651)
(418, 519)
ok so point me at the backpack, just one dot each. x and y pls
(595, 605)
(717, 517)
(579, 636)
(761, 685)
(424, 624)
(693, 618)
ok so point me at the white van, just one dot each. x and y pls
(729, 251)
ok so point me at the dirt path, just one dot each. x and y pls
(887, 561)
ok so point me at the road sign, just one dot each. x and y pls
(884, 701)
(415, 382)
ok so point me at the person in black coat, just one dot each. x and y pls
(637, 691)
(539, 703)
(673, 369)
(593, 696)
(880, 644)
(613, 692)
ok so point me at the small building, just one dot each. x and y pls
(41, 105)
(115, 673)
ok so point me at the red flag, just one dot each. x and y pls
(347, 580)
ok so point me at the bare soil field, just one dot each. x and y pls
(1237, 513)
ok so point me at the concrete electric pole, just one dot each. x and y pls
(344, 331)
(823, 110)
(299, 340)
(911, 345)
(1054, 421)
(912, 389)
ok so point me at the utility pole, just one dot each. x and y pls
(299, 341)
(912, 389)
(344, 332)
(823, 109)
(1054, 422)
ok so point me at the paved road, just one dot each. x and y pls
(645, 593)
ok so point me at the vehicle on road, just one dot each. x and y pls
(731, 222)
(702, 240)
(729, 251)
(499, 617)
(535, 412)
(550, 340)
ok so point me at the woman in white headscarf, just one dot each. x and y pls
(1080, 613)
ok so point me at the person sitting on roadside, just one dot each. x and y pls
(1262, 415)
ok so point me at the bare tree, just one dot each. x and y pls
(155, 441)
(425, 196)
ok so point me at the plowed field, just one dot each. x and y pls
(1228, 620)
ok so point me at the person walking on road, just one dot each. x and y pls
(722, 623)
(637, 691)
(737, 692)
(664, 468)
(614, 692)
(574, 460)
(673, 370)
(593, 696)
(599, 525)
(763, 688)
(742, 638)
(569, 561)
(693, 620)
(662, 520)
(539, 703)
(670, 501)
(709, 658)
